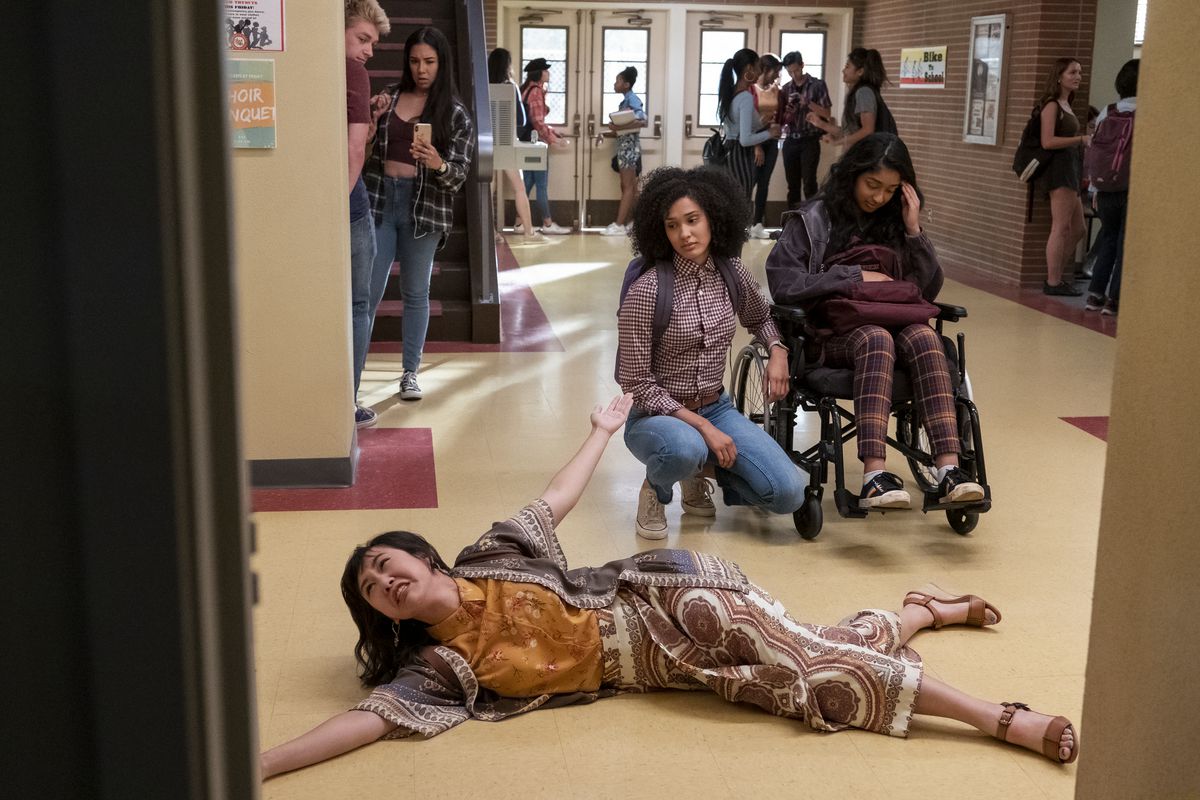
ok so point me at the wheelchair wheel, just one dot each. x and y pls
(963, 522)
(750, 387)
(913, 434)
(808, 518)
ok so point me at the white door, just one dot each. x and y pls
(586, 48)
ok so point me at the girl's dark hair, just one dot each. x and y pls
(1051, 89)
(768, 62)
(874, 76)
(712, 188)
(531, 77)
(1127, 78)
(731, 73)
(443, 94)
(499, 62)
(379, 658)
(884, 225)
(629, 75)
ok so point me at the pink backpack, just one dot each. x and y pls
(1106, 163)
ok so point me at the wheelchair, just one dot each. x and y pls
(814, 387)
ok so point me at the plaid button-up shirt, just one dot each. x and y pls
(689, 361)
(793, 106)
(433, 201)
(535, 99)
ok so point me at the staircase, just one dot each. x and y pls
(464, 302)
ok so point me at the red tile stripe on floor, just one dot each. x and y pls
(395, 470)
(1096, 426)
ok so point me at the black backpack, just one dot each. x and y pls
(713, 153)
(665, 295)
(525, 128)
(884, 121)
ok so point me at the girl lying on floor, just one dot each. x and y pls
(509, 628)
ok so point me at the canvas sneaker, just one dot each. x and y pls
(409, 388)
(537, 237)
(556, 229)
(1110, 308)
(613, 229)
(364, 417)
(1060, 289)
(519, 228)
(651, 516)
(697, 496)
(1094, 302)
(885, 490)
(759, 232)
(958, 487)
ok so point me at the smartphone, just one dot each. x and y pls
(423, 132)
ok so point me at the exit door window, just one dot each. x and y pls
(625, 47)
(550, 44)
(716, 47)
(810, 46)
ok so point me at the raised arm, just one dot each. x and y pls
(337, 735)
(566, 487)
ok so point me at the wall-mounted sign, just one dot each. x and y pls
(252, 102)
(923, 67)
(984, 111)
(254, 24)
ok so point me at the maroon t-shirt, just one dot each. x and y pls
(358, 93)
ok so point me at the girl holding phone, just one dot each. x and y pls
(424, 142)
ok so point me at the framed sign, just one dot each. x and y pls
(984, 111)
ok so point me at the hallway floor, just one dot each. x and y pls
(502, 422)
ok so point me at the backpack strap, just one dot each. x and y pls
(664, 300)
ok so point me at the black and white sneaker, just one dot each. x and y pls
(957, 487)
(409, 389)
(885, 490)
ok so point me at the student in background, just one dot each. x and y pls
(629, 149)
(743, 129)
(500, 71)
(366, 21)
(865, 112)
(533, 95)
(412, 183)
(801, 138)
(766, 101)
(1111, 204)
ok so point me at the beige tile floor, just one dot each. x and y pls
(503, 422)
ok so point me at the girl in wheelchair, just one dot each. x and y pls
(864, 228)
(680, 302)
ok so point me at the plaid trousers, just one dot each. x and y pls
(871, 351)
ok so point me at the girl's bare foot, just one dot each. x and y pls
(943, 607)
(1053, 737)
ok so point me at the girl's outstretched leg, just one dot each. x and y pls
(1025, 728)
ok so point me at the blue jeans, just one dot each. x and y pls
(362, 310)
(1110, 244)
(761, 475)
(541, 208)
(397, 241)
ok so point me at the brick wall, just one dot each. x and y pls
(978, 206)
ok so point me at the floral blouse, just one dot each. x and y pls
(521, 640)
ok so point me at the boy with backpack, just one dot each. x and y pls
(1106, 167)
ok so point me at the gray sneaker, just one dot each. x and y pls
(651, 516)
(409, 389)
(697, 497)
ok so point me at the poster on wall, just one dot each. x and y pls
(252, 102)
(254, 25)
(984, 111)
(923, 67)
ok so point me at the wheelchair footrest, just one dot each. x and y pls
(931, 504)
(847, 504)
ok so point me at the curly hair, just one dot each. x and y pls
(884, 225)
(382, 650)
(712, 188)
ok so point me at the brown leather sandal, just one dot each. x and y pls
(1051, 737)
(976, 606)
